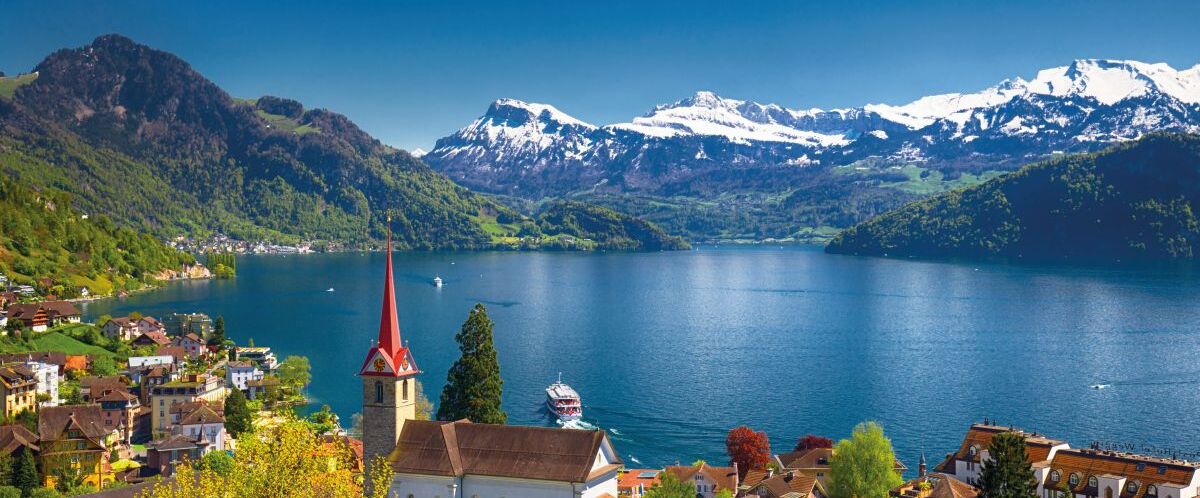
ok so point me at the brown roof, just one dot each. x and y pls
(51, 357)
(1088, 463)
(461, 448)
(779, 485)
(54, 309)
(53, 421)
(203, 414)
(724, 477)
(117, 395)
(152, 337)
(122, 321)
(174, 351)
(190, 406)
(99, 386)
(176, 442)
(16, 436)
(630, 478)
(15, 374)
(814, 458)
(1037, 447)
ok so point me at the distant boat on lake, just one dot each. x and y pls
(437, 281)
(329, 289)
(563, 401)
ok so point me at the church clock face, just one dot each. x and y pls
(379, 364)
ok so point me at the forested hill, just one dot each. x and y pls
(137, 134)
(1136, 201)
(44, 243)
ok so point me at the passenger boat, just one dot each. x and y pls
(437, 281)
(563, 401)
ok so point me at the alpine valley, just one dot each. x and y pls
(718, 169)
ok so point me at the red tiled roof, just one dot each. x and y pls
(723, 477)
(633, 477)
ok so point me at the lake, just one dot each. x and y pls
(671, 350)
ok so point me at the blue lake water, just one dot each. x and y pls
(671, 350)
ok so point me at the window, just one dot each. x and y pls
(1092, 482)
(1141, 466)
(378, 392)
(1162, 469)
(1108, 492)
(404, 385)
(974, 451)
(1055, 475)
(1132, 487)
(1151, 490)
(1073, 480)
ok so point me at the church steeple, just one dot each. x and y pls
(388, 375)
(388, 356)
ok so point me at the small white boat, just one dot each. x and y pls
(563, 401)
(437, 281)
(329, 289)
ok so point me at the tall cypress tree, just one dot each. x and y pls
(473, 384)
(1007, 472)
(25, 475)
(238, 418)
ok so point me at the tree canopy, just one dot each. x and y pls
(863, 466)
(748, 449)
(1007, 473)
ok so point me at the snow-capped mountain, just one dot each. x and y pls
(535, 149)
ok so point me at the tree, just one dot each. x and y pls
(424, 406)
(863, 466)
(1007, 473)
(473, 385)
(103, 365)
(218, 332)
(295, 373)
(9, 492)
(25, 474)
(748, 449)
(238, 417)
(810, 441)
(217, 461)
(287, 456)
(323, 421)
(724, 493)
(6, 470)
(669, 486)
(135, 316)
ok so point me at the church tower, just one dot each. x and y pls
(388, 378)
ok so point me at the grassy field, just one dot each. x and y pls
(921, 181)
(10, 84)
(285, 123)
(54, 341)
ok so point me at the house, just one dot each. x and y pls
(205, 424)
(462, 459)
(935, 485)
(966, 464)
(176, 352)
(192, 388)
(708, 480)
(4, 322)
(261, 356)
(15, 439)
(148, 377)
(119, 409)
(120, 328)
(93, 388)
(140, 364)
(191, 343)
(47, 378)
(185, 323)
(150, 324)
(256, 389)
(785, 484)
(18, 389)
(151, 339)
(237, 373)
(58, 359)
(73, 439)
(25, 290)
(78, 363)
(39, 316)
(163, 455)
(634, 483)
(815, 462)
(1097, 473)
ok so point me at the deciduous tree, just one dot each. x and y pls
(748, 449)
(473, 385)
(669, 486)
(238, 417)
(811, 441)
(863, 466)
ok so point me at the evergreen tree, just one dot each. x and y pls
(1007, 473)
(218, 332)
(473, 384)
(25, 475)
(237, 413)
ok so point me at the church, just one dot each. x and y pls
(460, 459)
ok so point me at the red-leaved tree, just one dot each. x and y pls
(748, 449)
(810, 441)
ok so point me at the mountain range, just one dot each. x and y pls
(136, 134)
(715, 167)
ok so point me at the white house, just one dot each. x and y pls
(238, 373)
(204, 425)
(192, 344)
(150, 324)
(121, 328)
(465, 460)
(47, 379)
(707, 479)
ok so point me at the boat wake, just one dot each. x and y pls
(615, 431)
(634, 460)
(1100, 386)
(577, 424)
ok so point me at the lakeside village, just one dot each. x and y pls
(136, 406)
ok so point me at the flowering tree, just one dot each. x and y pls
(748, 449)
(810, 441)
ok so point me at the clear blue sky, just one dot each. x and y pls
(411, 72)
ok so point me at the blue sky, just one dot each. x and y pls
(410, 72)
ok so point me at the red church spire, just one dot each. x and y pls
(389, 324)
(389, 356)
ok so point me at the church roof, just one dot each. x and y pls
(388, 357)
(463, 448)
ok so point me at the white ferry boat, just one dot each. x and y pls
(563, 401)
(437, 281)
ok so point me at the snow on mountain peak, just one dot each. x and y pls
(707, 113)
(518, 112)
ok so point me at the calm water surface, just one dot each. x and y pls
(670, 350)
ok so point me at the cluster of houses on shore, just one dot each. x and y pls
(141, 422)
